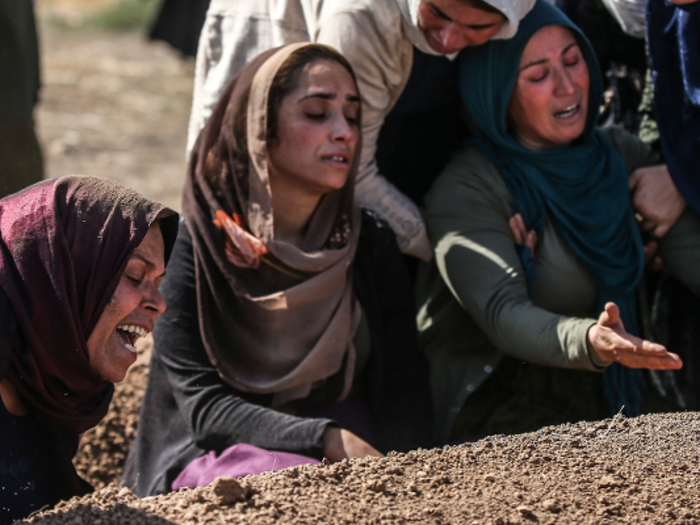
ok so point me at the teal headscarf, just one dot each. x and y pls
(583, 189)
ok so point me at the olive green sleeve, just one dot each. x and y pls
(467, 216)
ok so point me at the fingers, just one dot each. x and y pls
(531, 241)
(647, 225)
(669, 361)
(634, 179)
(649, 250)
(339, 444)
(515, 229)
(661, 230)
(656, 264)
(619, 346)
(610, 316)
(521, 233)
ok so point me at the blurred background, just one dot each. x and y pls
(112, 102)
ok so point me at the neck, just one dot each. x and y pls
(10, 398)
(293, 209)
(535, 145)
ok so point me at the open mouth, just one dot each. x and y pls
(129, 334)
(338, 158)
(567, 112)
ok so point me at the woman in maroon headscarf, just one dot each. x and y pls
(81, 259)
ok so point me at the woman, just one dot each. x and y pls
(290, 324)
(80, 263)
(539, 176)
(402, 53)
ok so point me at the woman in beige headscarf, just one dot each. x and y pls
(290, 324)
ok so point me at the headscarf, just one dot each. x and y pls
(583, 189)
(274, 318)
(64, 244)
(512, 10)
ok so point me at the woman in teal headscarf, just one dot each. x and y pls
(535, 238)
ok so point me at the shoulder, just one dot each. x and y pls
(384, 13)
(635, 153)
(468, 179)
(364, 29)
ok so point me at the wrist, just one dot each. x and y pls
(598, 362)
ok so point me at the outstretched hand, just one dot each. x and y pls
(339, 444)
(611, 342)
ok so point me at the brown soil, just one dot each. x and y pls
(643, 470)
(116, 106)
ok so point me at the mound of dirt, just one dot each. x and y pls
(641, 470)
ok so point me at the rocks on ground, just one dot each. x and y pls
(642, 470)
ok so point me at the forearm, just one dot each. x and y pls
(218, 419)
(377, 194)
(215, 413)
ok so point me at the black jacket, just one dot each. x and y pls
(189, 410)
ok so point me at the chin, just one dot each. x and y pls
(116, 374)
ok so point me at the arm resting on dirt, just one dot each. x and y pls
(215, 413)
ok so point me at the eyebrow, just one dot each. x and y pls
(543, 60)
(444, 15)
(329, 96)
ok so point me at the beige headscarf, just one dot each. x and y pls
(275, 319)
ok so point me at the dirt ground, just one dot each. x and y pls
(643, 470)
(116, 106)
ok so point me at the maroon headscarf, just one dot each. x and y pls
(64, 244)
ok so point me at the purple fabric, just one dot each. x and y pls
(243, 460)
(237, 461)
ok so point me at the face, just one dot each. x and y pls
(317, 131)
(450, 25)
(549, 104)
(131, 312)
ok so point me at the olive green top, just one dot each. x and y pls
(472, 298)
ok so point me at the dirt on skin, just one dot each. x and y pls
(642, 470)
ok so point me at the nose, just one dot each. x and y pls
(154, 301)
(454, 38)
(342, 131)
(564, 84)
